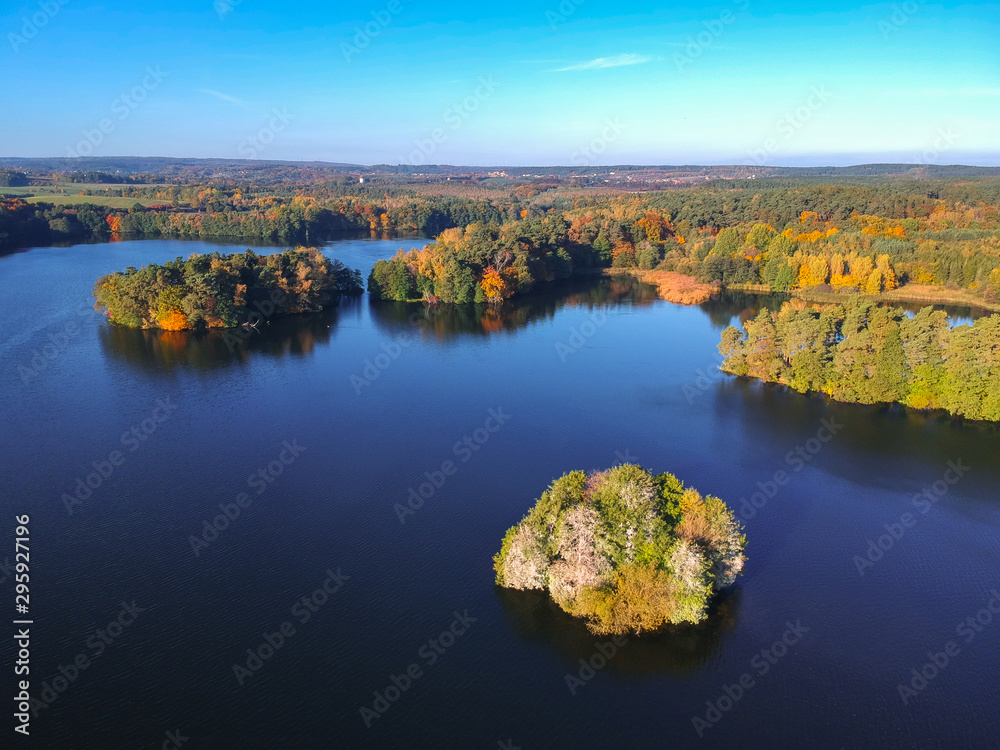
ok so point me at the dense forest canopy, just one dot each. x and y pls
(717, 236)
(867, 235)
(626, 550)
(12, 178)
(224, 291)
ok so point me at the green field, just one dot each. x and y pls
(67, 194)
(112, 201)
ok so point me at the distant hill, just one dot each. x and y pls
(244, 169)
(877, 170)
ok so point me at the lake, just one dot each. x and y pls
(253, 496)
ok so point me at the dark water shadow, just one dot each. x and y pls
(445, 321)
(871, 444)
(299, 335)
(155, 350)
(675, 650)
(735, 307)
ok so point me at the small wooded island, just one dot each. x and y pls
(624, 549)
(224, 291)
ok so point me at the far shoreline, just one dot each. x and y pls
(701, 292)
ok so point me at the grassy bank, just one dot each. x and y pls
(918, 293)
(675, 287)
(671, 286)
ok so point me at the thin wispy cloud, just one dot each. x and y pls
(222, 96)
(600, 63)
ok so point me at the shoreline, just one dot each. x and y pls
(670, 286)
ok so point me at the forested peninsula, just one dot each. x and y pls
(224, 291)
(864, 353)
(625, 550)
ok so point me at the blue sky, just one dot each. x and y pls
(573, 82)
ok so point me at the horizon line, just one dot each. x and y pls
(418, 167)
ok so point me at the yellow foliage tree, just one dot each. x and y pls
(861, 268)
(804, 275)
(840, 280)
(493, 285)
(837, 265)
(640, 598)
(888, 275)
(874, 283)
(819, 269)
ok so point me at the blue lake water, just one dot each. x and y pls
(345, 412)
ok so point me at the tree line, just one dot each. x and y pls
(782, 234)
(864, 353)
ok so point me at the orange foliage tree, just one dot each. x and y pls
(175, 320)
(494, 286)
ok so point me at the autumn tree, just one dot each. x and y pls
(875, 283)
(888, 275)
(727, 243)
